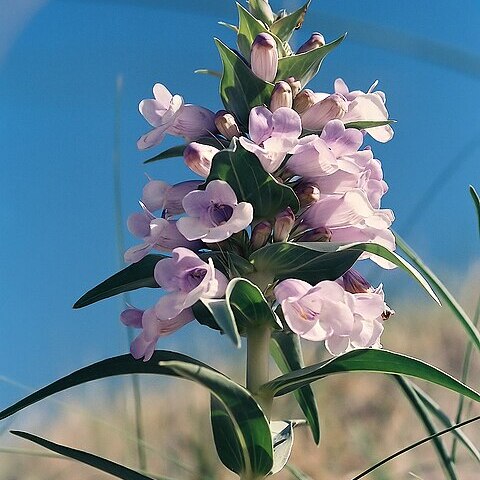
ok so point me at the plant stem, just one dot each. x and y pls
(258, 360)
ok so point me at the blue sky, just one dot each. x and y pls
(58, 99)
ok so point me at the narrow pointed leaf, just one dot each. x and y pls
(234, 28)
(137, 275)
(419, 407)
(287, 353)
(248, 420)
(442, 292)
(261, 10)
(207, 71)
(285, 26)
(305, 66)
(240, 88)
(223, 315)
(291, 260)
(368, 360)
(248, 304)
(435, 410)
(95, 461)
(368, 124)
(251, 183)
(476, 203)
(172, 152)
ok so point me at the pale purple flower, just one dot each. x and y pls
(368, 106)
(214, 214)
(132, 317)
(159, 195)
(264, 57)
(187, 279)
(351, 218)
(157, 234)
(315, 312)
(168, 113)
(316, 40)
(327, 312)
(272, 135)
(144, 344)
(368, 314)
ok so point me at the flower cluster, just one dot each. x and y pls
(311, 142)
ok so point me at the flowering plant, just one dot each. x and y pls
(264, 245)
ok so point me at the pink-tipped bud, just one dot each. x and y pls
(295, 85)
(284, 222)
(319, 234)
(315, 41)
(281, 96)
(226, 125)
(260, 234)
(264, 57)
(304, 100)
(330, 108)
(307, 194)
(354, 282)
(198, 158)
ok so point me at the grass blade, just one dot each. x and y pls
(415, 445)
(423, 413)
(476, 202)
(442, 292)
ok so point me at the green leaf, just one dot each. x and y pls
(222, 313)
(282, 436)
(287, 353)
(248, 304)
(240, 88)
(291, 260)
(226, 442)
(136, 275)
(177, 150)
(95, 461)
(305, 66)
(261, 10)
(434, 409)
(476, 202)
(285, 26)
(248, 420)
(442, 292)
(422, 412)
(243, 171)
(207, 71)
(368, 360)
(361, 125)
(231, 264)
(250, 423)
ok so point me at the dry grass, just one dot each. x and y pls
(363, 417)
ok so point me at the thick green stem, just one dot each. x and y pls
(258, 360)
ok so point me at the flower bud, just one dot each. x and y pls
(281, 96)
(264, 57)
(295, 85)
(226, 125)
(320, 234)
(260, 234)
(176, 194)
(198, 158)
(304, 100)
(315, 41)
(307, 194)
(262, 11)
(354, 282)
(330, 108)
(284, 222)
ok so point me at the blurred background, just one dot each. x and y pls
(72, 73)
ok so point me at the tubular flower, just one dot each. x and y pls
(272, 135)
(168, 113)
(329, 108)
(214, 213)
(198, 158)
(187, 279)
